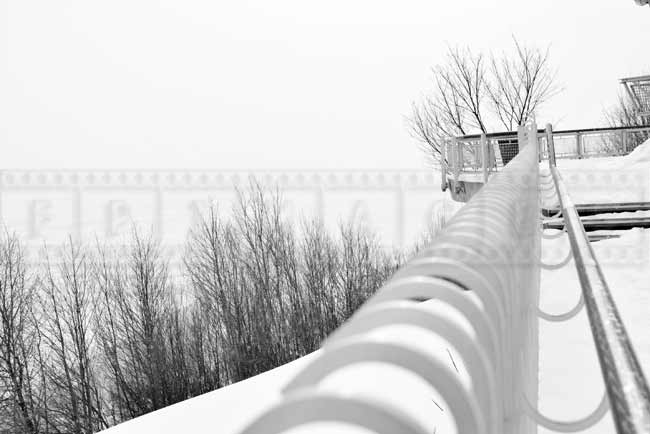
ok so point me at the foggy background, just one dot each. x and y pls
(282, 84)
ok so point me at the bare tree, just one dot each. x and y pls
(456, 106)
(137, 316)
(94, 338)
(363, 267)
(272, 293)
(470, 97)
(627, 114)
(520, 84)
(20, 403)
(68, 302)
(210, 270)
(320, 268)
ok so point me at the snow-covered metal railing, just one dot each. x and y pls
(484, 154)
(627, 389)
(484, 269)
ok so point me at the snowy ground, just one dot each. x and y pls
(570, 382)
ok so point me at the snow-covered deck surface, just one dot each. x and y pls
(571, 385)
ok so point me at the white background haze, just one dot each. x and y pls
(282, 84)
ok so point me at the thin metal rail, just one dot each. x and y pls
(603, 224)
(586, 209)
(513, 134)
(627, 388)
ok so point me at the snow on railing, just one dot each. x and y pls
(485, 267)
(627, 389)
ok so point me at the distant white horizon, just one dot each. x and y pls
(275, 85)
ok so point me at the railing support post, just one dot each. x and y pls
(579, 145)
(443, 166)
(458, 159)
(521, 137)
(550, 146)
(485, 156)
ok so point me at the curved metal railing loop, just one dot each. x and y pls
(493, 198)
(546, 202)
(485, 220)
(502, 214)
(554, 216)
(465, 342)
(480, 219)
(549, 191)
(466, 276)
(312, 407)
(478, 214)
(491, 236)
(545, 176)
(473, 253)
(474, 238)
(483, 217)
(554, 236)
(551, 317)
(549, 202)
(491, 241)
(569, 426)
(420, 288)
(489, 254)
(502, 195)
(559, 265)
(460, 399)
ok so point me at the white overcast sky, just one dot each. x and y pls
(274, 84)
